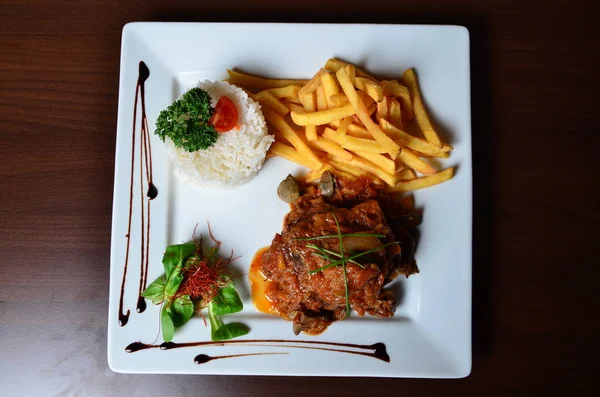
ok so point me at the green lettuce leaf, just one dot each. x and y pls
(175, 256)
(156, 291)
(166, 322)
(182, 310)
(226, 301)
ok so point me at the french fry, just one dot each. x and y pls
(353, 130)
(426, 181)
(288, 133)
(323, 116)
(372, 109)
(296, 100)
(247, 80)
(266, 99)
(341, 99)
(350, 169)
(276, 133)
(330, 147)
(362, 113)
(379, 160)
(440, 155)
(293, 107)
(369, 167)
(405, 174)
(372, 88)
(351, 72)
(421, 115)
(412, 142)
(395, 113)
(395, 89)
(338, 99)
(343, 128)
(289, 92)
(353, 172)
(366, 99)
(382, 108)
(312, 84)
(289, 153)
(414, 162)
(335, 65)
(309, 102)
(330, 88)
(321, 100)
(354, 144)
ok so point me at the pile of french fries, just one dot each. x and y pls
(345, 121)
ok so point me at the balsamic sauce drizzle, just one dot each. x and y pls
(203, 358)
(376, 350)
(152, 192)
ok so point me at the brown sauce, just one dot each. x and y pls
(376, 350)
(203, 358)
(259, 284)
(145, 162)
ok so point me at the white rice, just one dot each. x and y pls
(237, 156)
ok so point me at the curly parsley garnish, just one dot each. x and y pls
(186, 121)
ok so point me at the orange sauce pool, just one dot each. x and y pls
(259, 283)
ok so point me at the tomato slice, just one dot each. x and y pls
(226, 115)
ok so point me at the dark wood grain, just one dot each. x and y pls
(536, 216)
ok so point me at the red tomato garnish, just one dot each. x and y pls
(226, 115)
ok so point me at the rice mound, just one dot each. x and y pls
(237, 155)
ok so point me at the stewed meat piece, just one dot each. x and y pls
(314, 299)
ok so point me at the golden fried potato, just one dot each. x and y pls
(330, 147)
(379, 160)
(266, 99)
(288, 133)
(310, 105)
(395, 113)
(289, 153)
(289, 92)
(293, 107)
(394, 89)
(372, 88)
(343, 128)
(421, 115)
(362, 113)
(382, 109)
(412, 142)
(405, 174)
(321, 100)
(312, 84)
(335, 65)
(423, 182)
(246, 80)
(414, 162)
(323, 116)
(330, 88)
(369, 167)
(352, 143)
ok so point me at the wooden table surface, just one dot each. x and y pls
(536, 216)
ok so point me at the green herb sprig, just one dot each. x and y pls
(186, 121)
(342, 260)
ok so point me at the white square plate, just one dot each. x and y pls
(430, 335)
